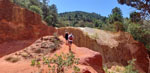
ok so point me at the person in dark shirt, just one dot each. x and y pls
(66, 37)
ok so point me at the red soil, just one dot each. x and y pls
(90, 61)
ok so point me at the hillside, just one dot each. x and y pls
(80, 18)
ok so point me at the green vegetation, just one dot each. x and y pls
(130, 68)
(119, 69)
(141, 5)
(135, 17)
(93, 20)
(36, 9)
(58, 63)
(81, 19)
(115, 16)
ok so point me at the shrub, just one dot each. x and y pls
(119, 26)
(58, 63)
(130, 68)
(134, 29)
(51, 19)
(140, 33)
(36, 9)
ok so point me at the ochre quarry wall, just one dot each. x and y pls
(18, 24)
(115, 47)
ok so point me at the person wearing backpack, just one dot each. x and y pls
(70, 40)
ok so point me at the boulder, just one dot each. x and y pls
(90, 58)
(119, 47)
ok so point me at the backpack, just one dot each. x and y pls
(70, 37)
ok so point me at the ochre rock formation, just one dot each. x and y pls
(91, 58)
(119, 47)
(90, 61)
(18, 24)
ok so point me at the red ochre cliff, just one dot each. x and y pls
(19, 27)
(117, 47)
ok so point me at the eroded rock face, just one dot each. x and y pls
(17, 24)
(117, 47)
(90, 58)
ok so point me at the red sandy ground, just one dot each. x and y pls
(23, 66)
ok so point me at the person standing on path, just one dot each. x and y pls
(70, 40)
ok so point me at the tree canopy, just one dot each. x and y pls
(116, 15)
(135, 17)
(142, 5)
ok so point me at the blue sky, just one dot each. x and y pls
(102, 7)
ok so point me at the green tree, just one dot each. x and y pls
(53, 12)
(116, 19)
(23, 3)
(116, 15)
(135, 17)
(46, 11)
(45, 2)
(142, 5)
(53, 8)
(36, 9)
(35, 2)
(49, 20)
